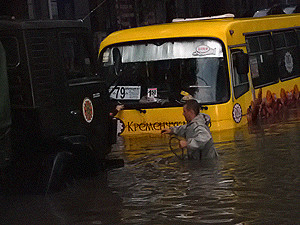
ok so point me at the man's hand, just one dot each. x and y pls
(119, 107)
(166, 131)
(182, 144)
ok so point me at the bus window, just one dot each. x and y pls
(240, 78)
(262, 60)
(287, 53)
(11, 47)
(157, 72)
(76, 59)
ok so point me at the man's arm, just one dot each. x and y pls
(179, 130)
(166, 131)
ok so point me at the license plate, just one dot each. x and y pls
(126, 92)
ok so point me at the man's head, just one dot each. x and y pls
(190, 109)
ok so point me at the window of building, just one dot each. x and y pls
(298, 35)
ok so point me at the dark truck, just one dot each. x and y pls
(59, 106)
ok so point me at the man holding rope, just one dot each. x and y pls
(198, 139)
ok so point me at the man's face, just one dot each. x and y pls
(188, 114)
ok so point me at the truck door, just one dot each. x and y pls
(5, 117)
(86, 95)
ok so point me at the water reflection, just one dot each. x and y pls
(254, 181)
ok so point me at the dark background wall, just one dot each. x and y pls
(111, 15)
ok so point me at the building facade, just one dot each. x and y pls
(106, 16)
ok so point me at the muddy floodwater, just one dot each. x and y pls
(254, 181)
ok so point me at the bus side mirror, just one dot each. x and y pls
(242, 62)
(117, 60)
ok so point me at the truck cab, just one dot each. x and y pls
(58, 103)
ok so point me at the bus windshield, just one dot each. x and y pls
(167, 71)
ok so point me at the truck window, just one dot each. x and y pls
(76, 57)
(11, 47)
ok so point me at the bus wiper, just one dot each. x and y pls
(148, 100)
(115, 84)
(141, 110)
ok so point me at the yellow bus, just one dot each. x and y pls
(238, 69)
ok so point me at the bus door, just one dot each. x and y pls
(242, 92)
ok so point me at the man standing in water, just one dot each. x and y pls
(198, 139)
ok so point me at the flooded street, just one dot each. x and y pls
(255, 181)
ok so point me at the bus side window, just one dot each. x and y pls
(262, 60)
(287, 53)
(240, 77)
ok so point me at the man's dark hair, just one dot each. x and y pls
(192, 104)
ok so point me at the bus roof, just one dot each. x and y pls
(230, 30)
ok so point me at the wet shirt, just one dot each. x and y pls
(198, 137)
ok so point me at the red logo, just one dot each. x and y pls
(88, 110)
(202, 49)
